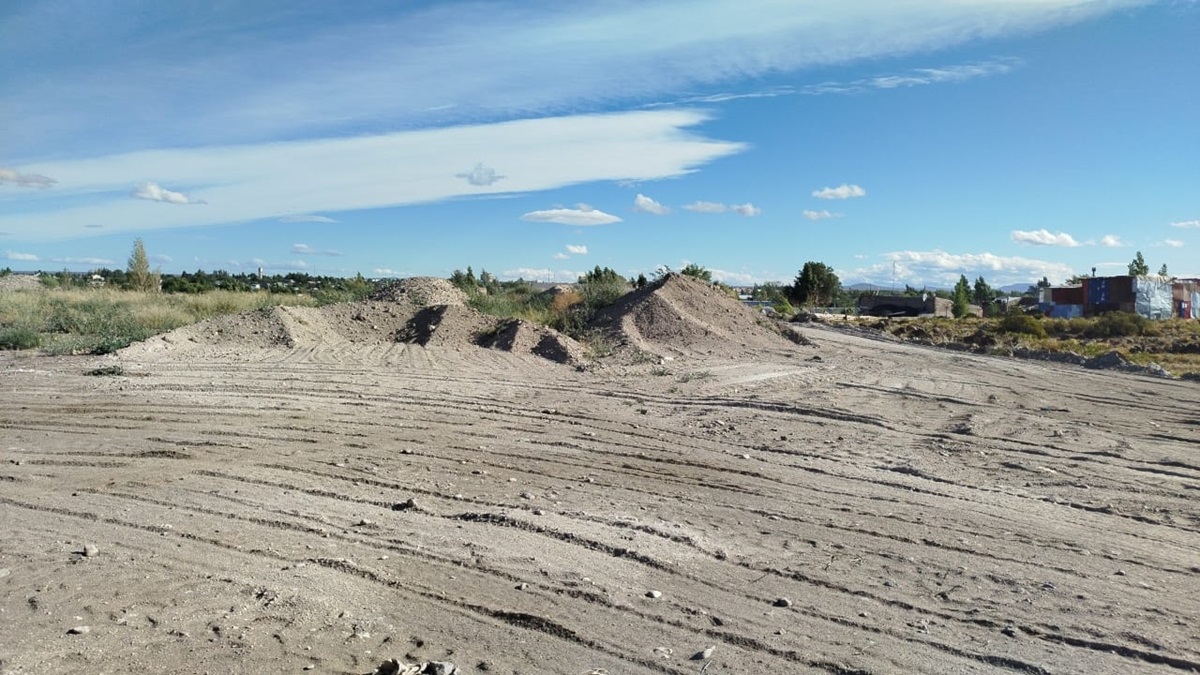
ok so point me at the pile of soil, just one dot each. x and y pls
(522, 337)
(683, 316)
(19, 282)
(421, 292)
(346, 327)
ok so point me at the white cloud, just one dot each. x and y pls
(560, 256)
(156, 193)
(68, 260)
(749, 210)
(252, 182)
(1187, 224)
(306, 218)
(918, 77)
(734, 278)
(577, 250)
(541, 274)
(161, 259)
(644, 204)
(1112, 241)
(842, 191)
(384, 272)
(24, 257)
(1173, 243)
(821, 215)
(305, 249)
(940, 269)
(1044, 238)
(706, 207)
(480, 176)
(582, 216)
(34, 180)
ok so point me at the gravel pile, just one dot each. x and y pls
(421, 292)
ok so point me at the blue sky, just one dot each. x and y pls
(1012, 139)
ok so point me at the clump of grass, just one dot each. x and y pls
(106, 371)
(696, 376)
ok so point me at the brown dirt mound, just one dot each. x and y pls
(522, 337)
(421, 292)
(19, 282)
(684, 316)
(258, 329)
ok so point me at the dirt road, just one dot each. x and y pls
(856, 506)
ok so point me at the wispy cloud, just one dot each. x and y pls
(918, 77)
(644, 204)
(305, 249)
(384, 272)
(306, 218)
(749, 210)
(1112, 241)
(33, 180)
(161, 259)
(843, 191)
(252, 182)
(1186, 224)
(559, 255)
(938, 268)
(157, 193)
(541, 274)
(1044, 238)
(823, 214)
(481, 175)
(577, 250)
(23, 257)
(1173, 243)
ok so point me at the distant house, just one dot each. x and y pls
(1152, 296)
(926, 304)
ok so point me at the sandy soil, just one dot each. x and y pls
(303, 500)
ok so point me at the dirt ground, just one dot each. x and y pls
(851, 506)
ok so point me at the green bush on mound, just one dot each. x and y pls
(1022, 324)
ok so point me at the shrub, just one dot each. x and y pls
(1117, 324)
(19, 337)
(1023, 324)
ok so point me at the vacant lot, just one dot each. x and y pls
(850, 506)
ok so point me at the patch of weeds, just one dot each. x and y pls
(696, 376)
(660, 371)
(19, 337)
(107, 371)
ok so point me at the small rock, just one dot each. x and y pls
(405, 505)
(439, 668)
(4, 571)
(310, 667)
(782, 602)
(663, 652)
(522, 586)
(705, 653)
(364, 523)
(539, 512)
(1010, 631)
(79, 630)
(654, 595)
(90, 551)
(1120, 573)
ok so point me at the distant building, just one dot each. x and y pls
(926, 304)
(1151, 296)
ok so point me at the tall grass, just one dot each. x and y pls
(102, 320)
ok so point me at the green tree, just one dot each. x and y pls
(138, 273)
(983, 295)
(816, 284)
(1162, 271)
(694, 270)
(962, 297)
(641, 281)
(1138, 267)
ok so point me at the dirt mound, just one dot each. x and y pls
(19, 282)
(258, 329)
(522, 337)
(421, 292)
(453, 326)
(683, 316)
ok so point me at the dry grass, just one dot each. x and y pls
(101, 320)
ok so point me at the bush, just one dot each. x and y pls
(1022, 324)
(19, 337)
(1117, 324)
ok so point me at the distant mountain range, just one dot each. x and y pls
(861, 287)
